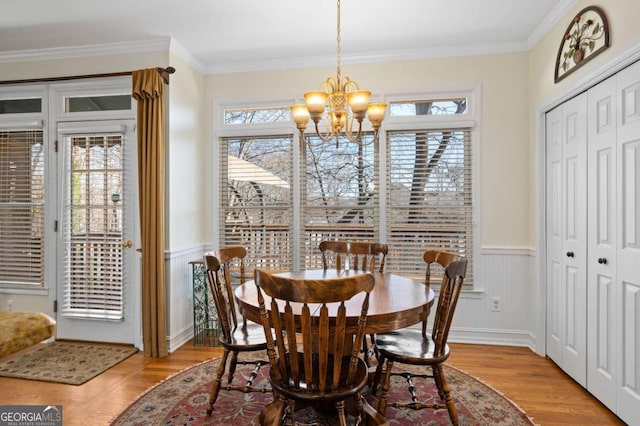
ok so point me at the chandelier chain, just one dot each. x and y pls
(338, 48)
(340, 106)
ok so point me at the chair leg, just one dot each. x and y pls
(232, 366)
(215, 388)
(438, 380)
(378, 374)
(359, 409)
(272, 414)
(342, 420)
(382, 404)
(451, 406)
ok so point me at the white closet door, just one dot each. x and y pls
(566, 128)
(555, 256)
(574, 277)
(628, 244)
(601, 259)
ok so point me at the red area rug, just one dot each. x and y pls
(183, 398)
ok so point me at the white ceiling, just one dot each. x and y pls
(235, 35)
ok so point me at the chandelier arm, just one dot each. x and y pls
(324, 137)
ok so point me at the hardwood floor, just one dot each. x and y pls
(536, 384)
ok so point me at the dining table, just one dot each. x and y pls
(395, 302)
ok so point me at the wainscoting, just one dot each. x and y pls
(180, 295)
(503, 273)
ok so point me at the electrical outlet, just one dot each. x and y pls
(495, 304)
(10, 305)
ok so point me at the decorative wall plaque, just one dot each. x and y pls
(586, 37)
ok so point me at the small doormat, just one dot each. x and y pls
(72, 363)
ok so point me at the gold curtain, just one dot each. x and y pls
(148, 88)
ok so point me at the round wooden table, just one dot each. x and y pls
(395, 301)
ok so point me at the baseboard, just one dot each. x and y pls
(519, 338)
(180, 338)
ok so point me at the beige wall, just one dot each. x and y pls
(81, 66)
(187, 193)
(504, 163)
(624, 33)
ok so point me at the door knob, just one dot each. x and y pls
(602, 260)
(569, 254)
(127, 244)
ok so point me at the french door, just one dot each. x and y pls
(98, 284)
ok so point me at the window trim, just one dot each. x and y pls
(470, 119)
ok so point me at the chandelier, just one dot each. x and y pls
(338, 103)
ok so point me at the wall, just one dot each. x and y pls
(544, 94)
(187, 214)
(505, 258)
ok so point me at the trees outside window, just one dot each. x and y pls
(425, 203)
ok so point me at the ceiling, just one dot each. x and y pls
(236, 35)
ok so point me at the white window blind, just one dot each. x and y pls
(339, 195)
(21, 207)
(92, 227)
(427, 179)
(257, 198)
(429, 204)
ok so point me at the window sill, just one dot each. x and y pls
(40, 291)
(472, 293)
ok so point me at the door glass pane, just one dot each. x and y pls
(93, 228)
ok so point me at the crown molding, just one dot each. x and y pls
(181, 52)
(382, 56)
(141, 46)
(558, 13)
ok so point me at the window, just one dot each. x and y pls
(281, 200)
(97, 103)
(429, 203)
(92, 226)
(257, 208)
(453, 106)
(339, 195)
(21, 208)
(20, 106)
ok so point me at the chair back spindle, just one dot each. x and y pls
(353, 255)
(311, 315)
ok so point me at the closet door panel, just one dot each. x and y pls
(601, 260)
(574, 196)
(554, 234)
(628, 247)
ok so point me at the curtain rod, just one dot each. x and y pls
(164, 72)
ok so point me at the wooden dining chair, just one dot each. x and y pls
(317, 361)
(237, 335)
(357, 256)
(415, 347)
(353, 255)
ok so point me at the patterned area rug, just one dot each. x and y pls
(72, 363)
(183, 398)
